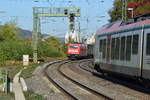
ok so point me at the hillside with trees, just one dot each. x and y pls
(139, 7)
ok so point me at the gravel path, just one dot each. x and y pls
(41, 85)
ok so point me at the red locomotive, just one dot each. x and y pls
(79, 51)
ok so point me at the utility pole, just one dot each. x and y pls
(124, 10)
(122, 2)
(79, 31)
(35, 35)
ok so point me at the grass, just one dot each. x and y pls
(30, 95)
(14, 70)
(1, 81)
(57, 58)
(28, 71)
(8, 96)
(25, 73)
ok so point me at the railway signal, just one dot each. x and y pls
(66, 12)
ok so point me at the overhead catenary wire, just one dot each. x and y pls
(52, 3)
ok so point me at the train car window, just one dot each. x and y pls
(135, 44)
(148, 44)
(74, 46)
(117, 48)
(128, 48)
(122, 54)
(104, 48)
(113, 48)
(100, 45)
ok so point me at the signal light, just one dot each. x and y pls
(66, 12)
(71, 17)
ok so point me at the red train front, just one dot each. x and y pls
(77, 51)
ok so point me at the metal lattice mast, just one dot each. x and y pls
(35, 35)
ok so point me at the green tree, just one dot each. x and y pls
(9, 31)
(116, 12)
(46, 50)
(52, 41)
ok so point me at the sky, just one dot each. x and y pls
(94, 14)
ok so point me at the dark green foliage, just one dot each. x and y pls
(52, 41)
(45, 50)
(14, 50)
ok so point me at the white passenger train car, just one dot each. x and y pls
(124, 48)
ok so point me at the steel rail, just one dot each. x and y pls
(81, 85)
(55, 83)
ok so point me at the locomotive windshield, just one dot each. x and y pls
(74, 46)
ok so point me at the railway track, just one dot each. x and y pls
(71, 88)
(70, 96)
(68, 77)
(125, 86)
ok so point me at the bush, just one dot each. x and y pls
(13, 50)
(8, 31)
(45, 50)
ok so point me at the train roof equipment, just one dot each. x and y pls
(118, 26)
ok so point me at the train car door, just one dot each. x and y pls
(108, 49)
(107, 65)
